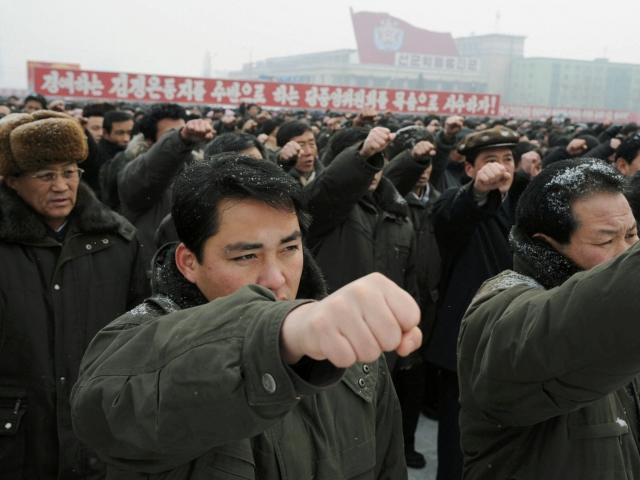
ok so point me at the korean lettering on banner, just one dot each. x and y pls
(156, 88)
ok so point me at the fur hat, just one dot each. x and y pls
(30, 141)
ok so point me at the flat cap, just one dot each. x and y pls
(495, 137)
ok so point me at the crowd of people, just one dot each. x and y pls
(208, 292)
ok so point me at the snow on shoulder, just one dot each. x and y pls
(505, 280)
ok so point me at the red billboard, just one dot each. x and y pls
(380, 37)
(136, 87)
(31, 65)
(575, 114)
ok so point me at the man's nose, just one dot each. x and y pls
(60, 184)
(271, 277)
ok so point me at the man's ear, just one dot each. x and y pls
(11, 180)
(470, 170)
(187, 263)
(552, 242)
(621, 164)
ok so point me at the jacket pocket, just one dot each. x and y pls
(12, 434)
(603, 430)
(229, 462)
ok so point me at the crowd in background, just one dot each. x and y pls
(418, 221)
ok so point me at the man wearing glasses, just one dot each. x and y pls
(69, 266)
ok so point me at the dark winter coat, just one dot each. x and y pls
(549, 376)
(54, 298)
(352, 235)
(145, 187)
(107, 150)
(404, 172)
(474, 247)
(110, 169)
(184, 389)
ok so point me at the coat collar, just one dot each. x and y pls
(19, 223)
(389, 200)
(535, 258)
(168, 283)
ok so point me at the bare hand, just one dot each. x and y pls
(453, 126)
(290, 152)
(263, 137)
(614, 143)
(531, 163)
(491, 177)
(366, 116)
(197, 130)
(249, 126)
(577, 146)
(423, 151)
(357, 323)
(376, 141)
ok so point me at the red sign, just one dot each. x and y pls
(32, 65)
(380, 36)
(575, 114)
(136, 87)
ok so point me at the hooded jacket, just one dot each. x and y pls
(54, 297)
(548, 364)
(183, 388)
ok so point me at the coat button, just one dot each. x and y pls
(361, 383)
(366, 369)
(105, 241)
(268, 383)
(56, 287)
(88, 247)
(63, 380)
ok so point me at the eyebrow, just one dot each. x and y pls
(245, 246)
(605, 231)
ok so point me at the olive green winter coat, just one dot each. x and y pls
(184, 389)
(549, 378)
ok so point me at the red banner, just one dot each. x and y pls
(380, 36)
(575, 114)
(31, 65)
(136, 87)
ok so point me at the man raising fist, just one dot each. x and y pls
(240, 366)
(360, 222)
(471, 225)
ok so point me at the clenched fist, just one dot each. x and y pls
(423, 151)
(452, 126)
(197, 130)
(290, 152)
(356, 323)
(577, 146)
(490, 177)
(376, 141)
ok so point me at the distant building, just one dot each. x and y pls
(573, 83)
(394, 54)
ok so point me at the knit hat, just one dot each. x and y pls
(30, 141)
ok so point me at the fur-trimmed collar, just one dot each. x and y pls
(167, 281)
(537, 259)
(136, 147)
(20, 223)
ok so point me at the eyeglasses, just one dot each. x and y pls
(50, 177)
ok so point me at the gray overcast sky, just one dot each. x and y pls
(171, 37)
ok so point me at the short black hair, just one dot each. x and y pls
(148, 124)
(269, 126)
(202, 185)
(36, 97)
(114, 116)
(235, 142)
(629, 148)
(546, 204)
(97, 109)
(290, 129)
(521, 149)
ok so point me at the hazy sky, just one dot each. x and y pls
(171, 37)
